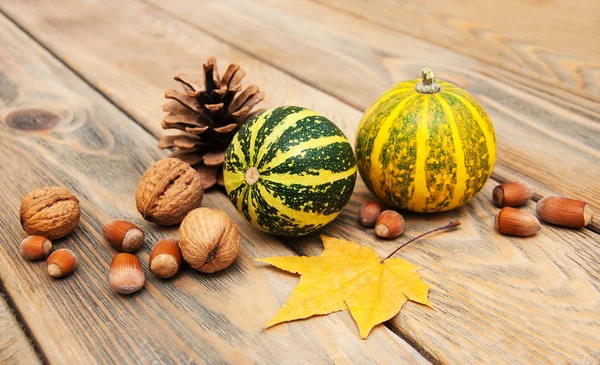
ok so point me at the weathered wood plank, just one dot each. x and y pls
(498, 299)
(555, 42)
(14, 345)
(100, 154)
(544, 134)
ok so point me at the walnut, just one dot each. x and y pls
(169, 189)
(209, 240)
(51, 211)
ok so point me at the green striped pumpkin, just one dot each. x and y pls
(425, 146)
(289, 171)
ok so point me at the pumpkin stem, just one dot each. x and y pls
(252, 175)
(428, 84)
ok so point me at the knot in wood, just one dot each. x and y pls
(32, 119)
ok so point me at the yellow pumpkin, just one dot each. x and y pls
(425, 146)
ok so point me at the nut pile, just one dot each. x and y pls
(509, 220)
(208, 241)
(48, 213)
(387, 223)
(556, 210)
(169, 192)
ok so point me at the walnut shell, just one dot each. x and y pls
(50, 211)
(209, 240)
(168, 191)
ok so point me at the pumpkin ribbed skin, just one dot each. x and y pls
(425, 152)
(306, 171)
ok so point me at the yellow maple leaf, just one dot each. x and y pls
(353, 277)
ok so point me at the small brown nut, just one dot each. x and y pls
(35, 247)
(209, 240)
(126, 275)
(165, 258)
(123, 235)
(169, 190)
(368, 213)
(61, 263)
(389, 224)
(512, 194)
(564, 211)
(516, 222)
(50, 211)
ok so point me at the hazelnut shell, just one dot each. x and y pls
(61, 263)
(123, 235)
(389, 224)
(35, 247)
(126, 274)
(368, 213)
(512, 194)
(564, 212)
(516, 222)
(165, 258)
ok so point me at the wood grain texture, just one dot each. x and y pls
(555, 42)
(100, 155)
(14, 345)
(544, 134)
(498, 299)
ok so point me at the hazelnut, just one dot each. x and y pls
(564, 211)
(209, 240)
(126, 275)
(123, 235)
(51, 211)
(169, 190)
(368, 213)
(35, 247)
(516, 222)
(389, 224)
(512, 194)
(61, 263)
(165, 258)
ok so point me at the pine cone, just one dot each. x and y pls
(210, 114)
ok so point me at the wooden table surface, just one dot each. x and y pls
(94, 73)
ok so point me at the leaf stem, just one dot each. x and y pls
(453, 223)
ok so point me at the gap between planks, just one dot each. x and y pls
(266, 61)
(500, 176)
(495, 176)
(17, 315)
(74, 71)
(537, 196)
(22, 323)
(511, 119)
(28, 339)
(594, 226)
(570, 90)
(105, 96)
